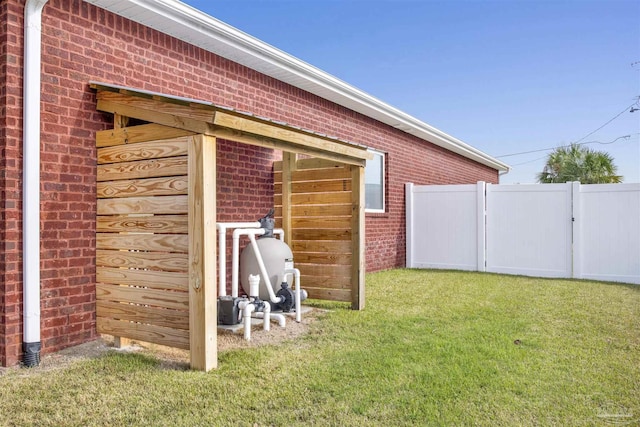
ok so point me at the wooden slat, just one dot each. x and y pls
(169, 224)
(135, 134)
(329, 294)
(175, 319)
(320, 234)
(322, 258)
(315, 175)
(143, 205)
(322, 223)
(165, 186)
(310, 163)
(143, 242)
(316, 186)
(320, 211)
(323, 270)
(177, 338)
(170, 166)
(148, 260)
(152, 297)
(171, 280)
(325, 282)
(202, 254)
(340, 197)
(155, 149)
(321, 246)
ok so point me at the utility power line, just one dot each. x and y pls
(583, 138)
(563, 146)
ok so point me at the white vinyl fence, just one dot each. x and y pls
(545, 230)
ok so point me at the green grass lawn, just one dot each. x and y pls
(431, 348)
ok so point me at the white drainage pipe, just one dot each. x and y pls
(31, 182)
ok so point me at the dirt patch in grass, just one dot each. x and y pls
(174, 358)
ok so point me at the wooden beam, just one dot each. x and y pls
(202, 254)
(357, 238)
(277, 144)
(155, 116)
(284, 133)
(211, 121)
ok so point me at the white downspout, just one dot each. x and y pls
(31, 182)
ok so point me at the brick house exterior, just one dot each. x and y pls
(82, 42)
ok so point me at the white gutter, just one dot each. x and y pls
(186, 23)
(31, 182)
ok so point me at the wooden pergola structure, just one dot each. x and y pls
(156, 206)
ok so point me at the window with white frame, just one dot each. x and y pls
(374, 183)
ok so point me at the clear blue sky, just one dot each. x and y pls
(503, 76)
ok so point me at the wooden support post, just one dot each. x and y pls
(120, 122)
(288, 166)
(357, 237)
(202, 253)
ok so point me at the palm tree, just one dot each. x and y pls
(578, 163)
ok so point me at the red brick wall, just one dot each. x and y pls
(10, 182)
(83, 43)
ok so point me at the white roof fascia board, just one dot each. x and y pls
(186, 23)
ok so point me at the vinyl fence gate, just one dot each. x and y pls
(546, 230)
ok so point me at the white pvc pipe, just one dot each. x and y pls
(296, 272)
(263, 270)
(31, 171)
(281, 318)
(222, 250)
(247, 308)
(235, 260)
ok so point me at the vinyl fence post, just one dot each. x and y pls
(576, 254)
(482, 224)
(408, 194)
